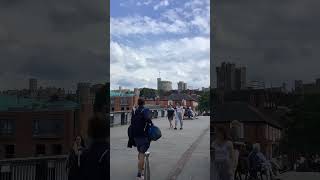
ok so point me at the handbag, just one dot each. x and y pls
(154, 133)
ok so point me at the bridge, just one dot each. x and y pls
(178, 155)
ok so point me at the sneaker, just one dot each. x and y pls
(140, 176)
(180, 128)
(175, 128)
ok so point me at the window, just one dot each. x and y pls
(266, 132)
(124, 101)
(122, 108)
(112, 109)
(6, 127)
(112, 101)
(9, 151)
(47, 127)
(83, 107)
(40, 149)
(128, 108)
(241, 130)
(56, 149)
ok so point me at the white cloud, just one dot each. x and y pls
(145, 2)
(125, 26)
(162, 3)
(183, 59)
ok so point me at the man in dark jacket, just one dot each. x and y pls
(95, 159)
(139, 124)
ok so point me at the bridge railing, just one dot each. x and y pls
(36, 168)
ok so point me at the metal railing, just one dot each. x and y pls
(147, 166)
(37, 168)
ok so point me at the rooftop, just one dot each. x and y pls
(15, 103)
(120, 94)
(180, 97)
(242, 112)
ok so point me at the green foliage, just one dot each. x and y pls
(204, 102)
(302, 130)
(148, 93)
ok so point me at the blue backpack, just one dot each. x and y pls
(154, 133)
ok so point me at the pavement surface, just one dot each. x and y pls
(300, 176)
(178, 155)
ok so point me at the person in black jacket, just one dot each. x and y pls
(139, 124)
(73, 161)
(95, 161)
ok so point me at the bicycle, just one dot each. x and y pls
(147, 166)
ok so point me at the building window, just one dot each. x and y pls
(6, 127)
(56, 149)
(124, 101)
(40, 149)
(122, 108)
(112, 109)
(128, 108)
(241, 130)
(83, 107)
(47, 127)
(266, 132)
(9, 151)
(112, 101)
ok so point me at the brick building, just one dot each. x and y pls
(34, 128)
(256, 127)
(122, 102)
(183, 99)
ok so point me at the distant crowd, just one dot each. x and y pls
(233, 160)
(309, 163)
(179, 113)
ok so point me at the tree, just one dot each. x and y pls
(54, 97)
(301, 130)
(148, 93)
(204, 102)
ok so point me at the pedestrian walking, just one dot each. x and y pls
(73, 161)
(170, 113)
(223, 160)
(140, 122)
(179, 116)
(95, 160)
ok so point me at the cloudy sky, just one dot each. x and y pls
(56, 41)
(148, 36)
(278, 41)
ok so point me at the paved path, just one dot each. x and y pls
(179, 154)
(300, 176)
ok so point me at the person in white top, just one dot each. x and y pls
(179, 116)
(223, 160)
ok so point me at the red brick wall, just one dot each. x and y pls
(254, 133)
(25, 143)
(132, 101)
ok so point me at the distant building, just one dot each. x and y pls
(256, 85)
(298, 86)
(33, 85)
(164, 85)
(183, 99)
(308, 88)
(241, 78)
(182, 86)
(204, 89)
(123, 102)
(230, 78)
(255, 126)
(29, 127)
(84, 93)
(136, 91)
